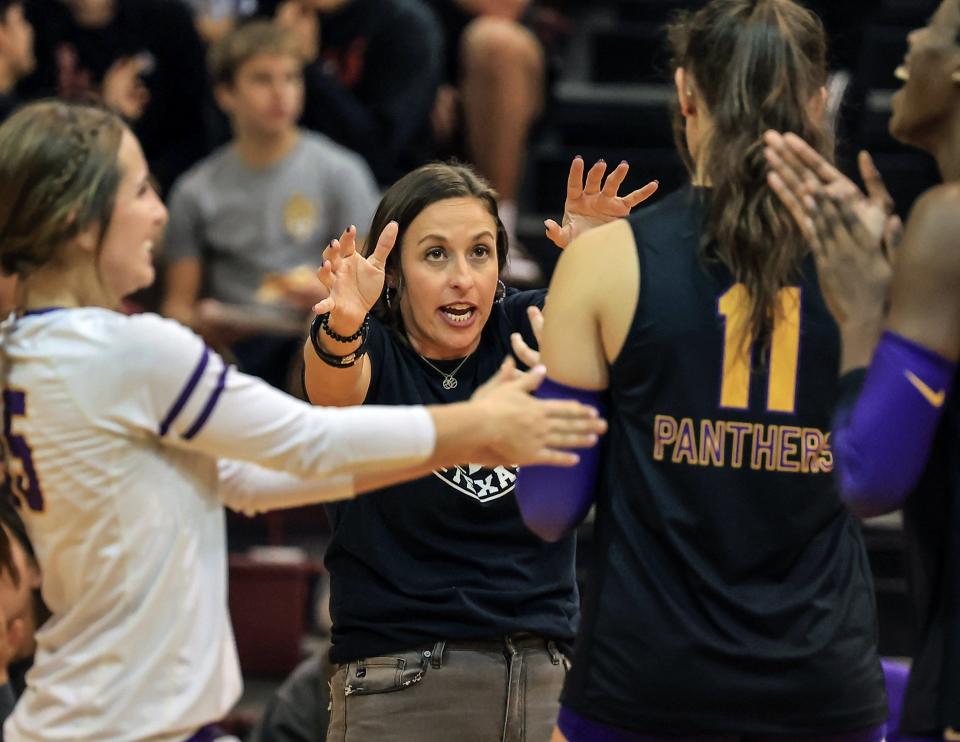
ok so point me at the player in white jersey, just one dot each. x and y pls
(124, 435)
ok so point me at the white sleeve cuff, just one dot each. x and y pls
(250, 489)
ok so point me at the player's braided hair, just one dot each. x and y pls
(58, 176)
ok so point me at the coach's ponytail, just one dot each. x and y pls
(756, 65)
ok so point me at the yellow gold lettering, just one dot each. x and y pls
(788, 448)
(784, 353)
(665, 434)
(711, 442)
(734, 307)
(764, 447)
(686, 443)
(738, 430)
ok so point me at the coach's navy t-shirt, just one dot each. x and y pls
(446, 556)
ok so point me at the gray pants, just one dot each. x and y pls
(499, 690)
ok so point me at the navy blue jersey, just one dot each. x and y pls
(446, 556)
(731, 590)
(931, 519)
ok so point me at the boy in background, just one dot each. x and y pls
(257, 213)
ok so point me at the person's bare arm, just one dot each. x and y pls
(354, 283)
(590, 306)
(182, 289)
(8, 294)
(510, 9)
(925, 296)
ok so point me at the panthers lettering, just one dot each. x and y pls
(723, 443)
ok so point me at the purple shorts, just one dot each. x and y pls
(578, 729)
(208, 733)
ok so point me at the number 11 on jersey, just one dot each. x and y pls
(734, 306)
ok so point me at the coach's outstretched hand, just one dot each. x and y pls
(595, 202)
(519, 429)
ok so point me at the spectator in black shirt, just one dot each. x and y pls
(16, 52)
(374, 72)
(145, 60)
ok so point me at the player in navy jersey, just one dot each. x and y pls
(731, 596)
(451, 585)
(896, 430)
(123, 436)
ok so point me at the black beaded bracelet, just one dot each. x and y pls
(325, 322)
(344, 361)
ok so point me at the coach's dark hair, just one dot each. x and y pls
(59, 176)
(404, 201)
(756, 65)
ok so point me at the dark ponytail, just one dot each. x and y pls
(756, 64)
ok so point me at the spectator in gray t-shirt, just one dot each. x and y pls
(249, 223)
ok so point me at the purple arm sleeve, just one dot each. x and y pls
(882, 438)
(553, 499)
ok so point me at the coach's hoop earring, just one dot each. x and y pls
(386, 296)
(500, 293)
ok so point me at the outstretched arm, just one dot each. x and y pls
(500, 423)
(354, 283)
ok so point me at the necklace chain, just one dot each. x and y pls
(449, 379)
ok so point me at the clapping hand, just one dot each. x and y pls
(123, 89)
(852, 234)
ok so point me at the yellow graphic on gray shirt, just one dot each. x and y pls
(299, 217)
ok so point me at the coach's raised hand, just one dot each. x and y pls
(354, 282)
(595, 202)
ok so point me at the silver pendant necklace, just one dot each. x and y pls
(449, 379)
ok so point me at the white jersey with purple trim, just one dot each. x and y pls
(114, 427)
